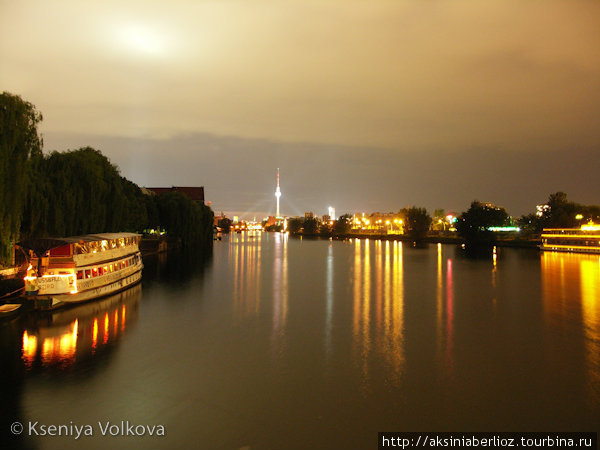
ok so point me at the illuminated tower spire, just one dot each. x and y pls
(277, 192)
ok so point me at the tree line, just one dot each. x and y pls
(474, 225)
(78, 191)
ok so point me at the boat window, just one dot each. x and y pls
(80, 274)
(94, 272)
(100, 271)
(88, 273)
(126, 263)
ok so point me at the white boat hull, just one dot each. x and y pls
(53, 301)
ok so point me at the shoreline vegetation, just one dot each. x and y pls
(79, 192)
(481, 227)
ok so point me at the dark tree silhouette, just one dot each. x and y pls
(19, 142)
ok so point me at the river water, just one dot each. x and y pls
(277, 342)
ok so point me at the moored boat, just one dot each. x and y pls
(585, 239)
(77, 269)
(9, 310)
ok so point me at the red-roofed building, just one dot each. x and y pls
(194, 193)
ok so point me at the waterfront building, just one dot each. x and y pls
(378, 223)
(331, 211)
(218, 218)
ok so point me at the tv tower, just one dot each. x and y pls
(277, 192)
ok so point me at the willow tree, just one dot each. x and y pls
(186, 219)
(81, 192)
(19, 141)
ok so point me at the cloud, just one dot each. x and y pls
(363, 105)
(239, 173)
(407, 75)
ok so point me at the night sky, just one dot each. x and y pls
(366, 106)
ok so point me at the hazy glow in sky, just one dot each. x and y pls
(417, 79)
(141, 41)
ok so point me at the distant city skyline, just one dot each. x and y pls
(364, 106)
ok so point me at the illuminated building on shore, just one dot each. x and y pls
(331, 213)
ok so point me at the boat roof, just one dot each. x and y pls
(41, 245)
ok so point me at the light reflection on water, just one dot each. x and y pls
(280, 287)
(245, 251)
(571, 291)
(289, 343)
(59, 338)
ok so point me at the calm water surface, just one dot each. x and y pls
(277, 343)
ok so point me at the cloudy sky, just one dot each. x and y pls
(364, 105)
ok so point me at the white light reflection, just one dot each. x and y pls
(329, 300)
(280, 290)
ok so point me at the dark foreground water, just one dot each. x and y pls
(278, 343)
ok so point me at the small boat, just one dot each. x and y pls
(9, 310)
(9, 272)
(81, 268)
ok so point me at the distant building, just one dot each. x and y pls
(332, 212)
(219, 217)
(326, 218)
(308, 215)
(272, 220)
(194, 193)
